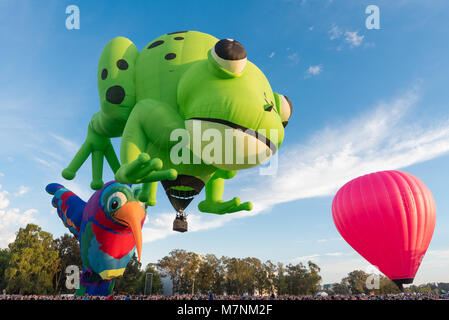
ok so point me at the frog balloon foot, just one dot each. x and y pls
(68, 174)
(146, 196)
(97, 184)
(223, 207)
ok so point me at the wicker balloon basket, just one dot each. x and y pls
(180, 224)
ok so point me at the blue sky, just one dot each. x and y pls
(364, 100)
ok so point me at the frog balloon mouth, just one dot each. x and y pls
(254, 144)
(248, 131)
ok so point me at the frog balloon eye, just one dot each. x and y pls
(230, 55)
(286, 109)
(115, 201)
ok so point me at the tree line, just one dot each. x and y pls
(356, 283)
(35, 263)
(192, 273)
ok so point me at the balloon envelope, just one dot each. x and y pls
(388, 217)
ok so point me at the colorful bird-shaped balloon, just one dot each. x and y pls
(388, 217)
(108, 227)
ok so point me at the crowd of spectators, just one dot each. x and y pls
(401, 296)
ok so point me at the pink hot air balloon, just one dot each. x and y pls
(388, 217)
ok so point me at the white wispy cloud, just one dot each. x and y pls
(381, 139)
(22, 191)
(4, 201)
(67, 144)
(333, 269)
(271, 55)
(160, 225)
(315, 70)
(44, 162)
(311, 257)
(335, 32)
(58, 156)
(293, 58)
(79, 188)
(336, 265)
(433, 267)
(320, 256)
(47, 149)
(11, 219)
(438, 254)
(328, 240)
(353, 38)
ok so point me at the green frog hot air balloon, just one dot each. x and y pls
(192, 110)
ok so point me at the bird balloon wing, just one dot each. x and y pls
(70, 207)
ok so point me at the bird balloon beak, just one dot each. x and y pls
(132, 215)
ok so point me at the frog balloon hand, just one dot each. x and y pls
(148, 172)
(99, 147)
(144, 169)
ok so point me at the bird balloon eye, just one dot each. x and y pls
(114, 205)
(115, 201)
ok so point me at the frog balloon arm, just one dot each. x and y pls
(144, 169)
(137, 166)
(99, 145)
(214, 194)
(147, 171)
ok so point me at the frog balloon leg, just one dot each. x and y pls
(116, 86)
(214, 195)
